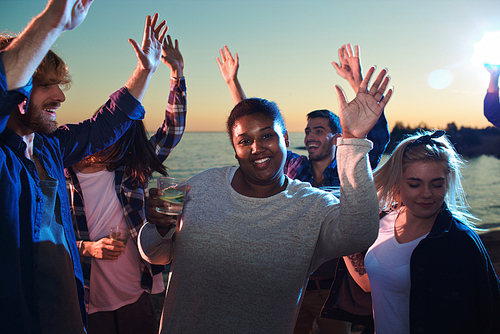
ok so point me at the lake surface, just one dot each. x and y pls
(198, 151)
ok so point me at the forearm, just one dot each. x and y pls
(176, 71)
(154, 247)
(493, 86)
(359, 220)
(170, 133)
(102, 130)
(236, 91)
(22, 57)
(138, 82)
(355, 264)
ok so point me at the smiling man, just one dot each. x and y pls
(41, 279)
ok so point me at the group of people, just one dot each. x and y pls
(268, 246)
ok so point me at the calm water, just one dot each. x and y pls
(198, 151)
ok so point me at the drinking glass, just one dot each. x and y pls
(173, 192)
(118, 233)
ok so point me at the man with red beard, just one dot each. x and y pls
(40, 273)
(320, 170)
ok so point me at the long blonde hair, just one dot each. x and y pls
(423, 146)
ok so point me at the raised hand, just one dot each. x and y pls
(494, 70)
(358, 116)
(67, 14)
(229, 69)
(172, 57)
(149, 53)
(350, 66)
(228, 65)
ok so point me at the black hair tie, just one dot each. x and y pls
(424, 140)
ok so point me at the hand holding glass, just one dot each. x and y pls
(174, 192)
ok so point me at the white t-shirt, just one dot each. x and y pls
(387, 263)
(113, 283)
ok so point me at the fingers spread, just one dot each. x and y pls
(366, 80)
(376, 84)
(341, 97)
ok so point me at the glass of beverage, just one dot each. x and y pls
(174, 192)
(118, 233)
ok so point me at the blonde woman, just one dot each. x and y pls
(428, 271)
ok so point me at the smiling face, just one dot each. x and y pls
(423, 188)
(260, 147)
(319, 139)
(45, 98)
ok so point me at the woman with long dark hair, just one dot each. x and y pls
(109, 189)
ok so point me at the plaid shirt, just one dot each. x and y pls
(299, 167)
(131, 195)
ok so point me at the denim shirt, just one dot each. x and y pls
(21, 199)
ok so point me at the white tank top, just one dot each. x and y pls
(387, 263)
(113, 283)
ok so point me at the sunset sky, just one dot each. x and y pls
(286, 49)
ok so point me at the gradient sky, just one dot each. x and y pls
(286, 49)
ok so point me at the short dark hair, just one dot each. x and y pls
(333, 120)
(255, 106)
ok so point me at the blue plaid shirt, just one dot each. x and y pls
(132, 196)
(299, 167)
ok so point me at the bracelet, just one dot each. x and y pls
(80, 247)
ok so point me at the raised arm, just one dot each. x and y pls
(358, 219)
(22, 57)
(148, 55)
(170, 132)
(229, 69)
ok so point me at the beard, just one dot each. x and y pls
(37, 120)
(323, 154)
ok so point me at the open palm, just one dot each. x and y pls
(359, 116)
(149, 53)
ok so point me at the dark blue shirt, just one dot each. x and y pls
(21, 198)
(492, 108)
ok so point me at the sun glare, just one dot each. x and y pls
(487, 50)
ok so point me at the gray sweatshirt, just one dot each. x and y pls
(239, 264)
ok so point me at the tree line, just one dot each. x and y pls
(468, 142)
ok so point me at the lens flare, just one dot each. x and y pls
(440, 79)
(487, 50)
